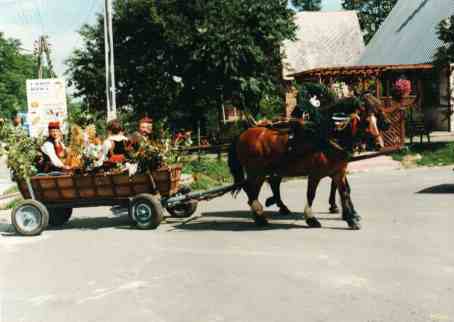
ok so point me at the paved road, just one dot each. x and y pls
(220, 267)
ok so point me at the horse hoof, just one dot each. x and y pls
(284, 211)
(334, 210)
(354, 224)
(356, 216)
(351, 216)
(270, 201)
(260, 220)
(313, 223)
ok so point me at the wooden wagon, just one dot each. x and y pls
(50, 200)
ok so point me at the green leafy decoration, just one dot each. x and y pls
(21, 150)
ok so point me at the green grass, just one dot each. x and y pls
(432, 154)
(208, 173)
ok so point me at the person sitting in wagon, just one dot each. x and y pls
(145, 128)
(54, 150)
(115, 147)
(144, 132)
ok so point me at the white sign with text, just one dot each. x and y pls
(46, 101)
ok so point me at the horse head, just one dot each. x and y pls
(376, 120)
(356, 121)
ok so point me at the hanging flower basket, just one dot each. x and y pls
(401, 88)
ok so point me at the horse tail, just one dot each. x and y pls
(236, 169)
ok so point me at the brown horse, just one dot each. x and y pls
(265, 153)
(373, 139)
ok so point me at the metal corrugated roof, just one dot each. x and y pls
(324, 39)
(408, 35)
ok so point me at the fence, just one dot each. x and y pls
(205, 149)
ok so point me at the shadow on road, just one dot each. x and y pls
(208, 221)
(440, 189)
(6, 229)
(242, 221)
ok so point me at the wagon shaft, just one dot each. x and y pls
(201, 196)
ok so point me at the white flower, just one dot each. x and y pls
(314, 101)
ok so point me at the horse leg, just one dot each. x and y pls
(348, 212)
(253, 186)
(311, 190)
(332, 198)
(271, 201)
(349, 200)
(275, 184)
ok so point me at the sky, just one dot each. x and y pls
(26, 20)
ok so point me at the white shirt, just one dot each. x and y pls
(48, 149)
(109, 143)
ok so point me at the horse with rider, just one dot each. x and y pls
(317, 142)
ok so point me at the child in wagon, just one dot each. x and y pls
(93, 149)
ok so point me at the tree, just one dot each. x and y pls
(307, 5)
(15, 69)
(175, 57)
(371, 14)
(445, 54)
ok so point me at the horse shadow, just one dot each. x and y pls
(439, 189)
(242, 221)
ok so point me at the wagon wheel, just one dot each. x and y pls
(30, 217)
(184, 210)
(146, 211)
(59, 216)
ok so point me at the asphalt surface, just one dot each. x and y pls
(220, 267)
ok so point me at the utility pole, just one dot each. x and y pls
(110, 65)
(41, 49)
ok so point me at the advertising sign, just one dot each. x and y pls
(46, 100)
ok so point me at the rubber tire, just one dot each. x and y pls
(59, 216)
(152, 203)
(42, 211)
(184, 210)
